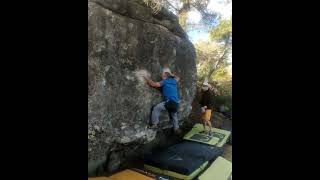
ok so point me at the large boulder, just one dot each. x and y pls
(125, 41)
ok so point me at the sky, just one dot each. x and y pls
(194, 17)
(201, 33)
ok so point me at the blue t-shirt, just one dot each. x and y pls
(170, 89)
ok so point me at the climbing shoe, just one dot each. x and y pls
(153, 126)
(177, 132)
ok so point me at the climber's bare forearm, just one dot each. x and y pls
(152, 83)
(155, 84)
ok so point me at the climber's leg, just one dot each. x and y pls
(174, 120)
(203, 121)
(208, 120)
(156, 113)
(210, 127)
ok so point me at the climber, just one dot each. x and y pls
(206, 103)
(169, 85)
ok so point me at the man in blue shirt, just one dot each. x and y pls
(169, 85)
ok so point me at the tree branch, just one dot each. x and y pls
(220, 59)
(185, 7)
(172, 6)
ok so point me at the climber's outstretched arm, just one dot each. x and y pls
(152, 83)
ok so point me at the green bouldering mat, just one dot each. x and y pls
(220, 169)
(217, 138)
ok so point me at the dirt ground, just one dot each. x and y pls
(228, 152)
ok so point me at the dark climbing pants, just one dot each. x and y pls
(156, 114)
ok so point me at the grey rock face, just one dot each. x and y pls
(126, 41)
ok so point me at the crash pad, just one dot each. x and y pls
(129, 174)
(183, 161)
(220, 169)
(217, 138)
(124, 175)
(197, 150)
(173, 174)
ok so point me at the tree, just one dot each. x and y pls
(212, 62)
(182, 8)
(222, 33)
(211, 56)
(209, 53)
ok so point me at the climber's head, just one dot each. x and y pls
(166, 73)
(205, 86)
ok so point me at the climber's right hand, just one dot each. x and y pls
(145, 78)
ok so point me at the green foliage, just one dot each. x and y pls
(208, 55)
(182, 7)
(212, 63)
(221, 75)
(225, 101)
(222, 82)
(222, 31)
